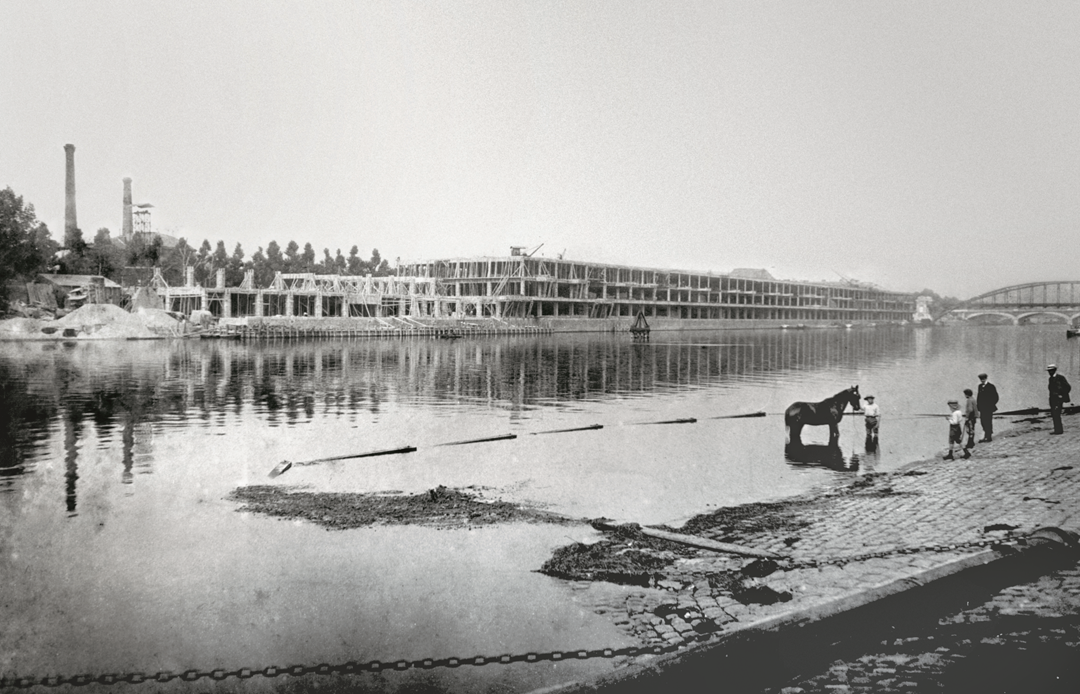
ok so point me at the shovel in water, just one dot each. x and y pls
(284, 465)
(280, 468)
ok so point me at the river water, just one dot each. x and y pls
(121, 552)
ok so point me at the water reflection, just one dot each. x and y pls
(118, 459)
(830, 456)
(128, 389)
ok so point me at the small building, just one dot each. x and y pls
(80, 289)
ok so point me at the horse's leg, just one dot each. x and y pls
(834, 433)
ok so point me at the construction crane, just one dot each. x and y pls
(857, 283)
(517, 250)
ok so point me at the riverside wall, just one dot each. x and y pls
(562, 324)
(899, 540)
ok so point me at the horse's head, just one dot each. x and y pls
(852, 397)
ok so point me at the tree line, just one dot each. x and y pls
(107, 259)
(27, 248)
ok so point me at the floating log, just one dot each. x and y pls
(561, 431)
(686, 420)
(694, 541)
(504, 437)
(1029, 410)
(739, 416)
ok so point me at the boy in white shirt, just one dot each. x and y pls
(872, 418)
(956, 432)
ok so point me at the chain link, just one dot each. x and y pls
(353, 667)
(347, 668)
(837, 561)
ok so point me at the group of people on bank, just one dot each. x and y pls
(976, 407)
(962, 421)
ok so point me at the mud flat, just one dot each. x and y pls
(439, 508)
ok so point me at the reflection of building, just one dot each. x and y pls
(517, 372)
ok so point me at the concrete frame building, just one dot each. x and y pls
(540, 290)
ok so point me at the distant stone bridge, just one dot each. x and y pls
(1056, 302)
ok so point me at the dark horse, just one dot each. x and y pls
(829, 411)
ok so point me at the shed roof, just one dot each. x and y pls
(77, 280)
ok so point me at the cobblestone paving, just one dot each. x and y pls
(1024, 639)
(881, 528)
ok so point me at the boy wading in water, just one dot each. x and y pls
(872, 416)
(956, 432)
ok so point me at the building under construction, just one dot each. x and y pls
(522, 286)
(557, 293)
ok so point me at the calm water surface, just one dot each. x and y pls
(121, 552)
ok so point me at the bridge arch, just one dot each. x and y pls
(1031, 294)
(1020, 302)
(1003, 314)
(1020, 318)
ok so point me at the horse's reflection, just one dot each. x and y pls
(830, 456)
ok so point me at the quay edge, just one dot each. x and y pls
(769, 651)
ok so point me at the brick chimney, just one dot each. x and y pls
(127, 226)
(70, 223)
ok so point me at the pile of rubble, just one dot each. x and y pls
(95, 322)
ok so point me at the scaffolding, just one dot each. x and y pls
(521, 286)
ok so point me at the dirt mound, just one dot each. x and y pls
(92, 321)
(160, 322)
(103, 322)
(440, 507)
(607, 561)
(625, 555)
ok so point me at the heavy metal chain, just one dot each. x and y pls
(355, 667)
(837, 561)
(347, 668)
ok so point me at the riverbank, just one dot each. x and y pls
(96, 322)
(921, 562)
(842, 549)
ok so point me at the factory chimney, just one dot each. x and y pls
(70, 225)
(127, 227)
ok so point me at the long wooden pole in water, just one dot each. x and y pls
(739, 416)
(504, 437)
(284, 465)
(590, 427)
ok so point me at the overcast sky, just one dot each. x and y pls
(908, 144)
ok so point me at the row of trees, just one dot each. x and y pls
(27, 248)
(106, 258)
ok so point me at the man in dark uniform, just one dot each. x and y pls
(986, 401)
(1059, 395)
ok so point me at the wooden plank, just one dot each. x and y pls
(699, 542)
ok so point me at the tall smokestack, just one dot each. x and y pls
(127, 230)
(70, 224)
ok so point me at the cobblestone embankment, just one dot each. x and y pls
(846, 548)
